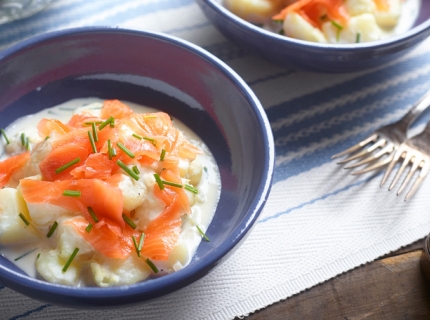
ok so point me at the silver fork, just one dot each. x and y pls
(385, 141)
(416, 153)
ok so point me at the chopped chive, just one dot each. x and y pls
(91, 123)
(124, 148)
(109, 149)
(24, 219)
(47, 137)
(191, 188)
(173, 184)
(339, 29)
(23, 139)
(150, 140)
(135, 246)
(163, 154)
(159, 182)
(112, 123)
(135, 170)
(129, 221)
(113, 152)
(203, 234)
(205, 169)
(67, 165)
(38, 255)
(142, 237)
(71, 193)
(3, 133)
(151, 265)
(51, 231)
(105, 123)
(93, 144)
(26, 254)
(130, 172)
(66, 266)
(95, 135)
(337, 25)
(357, 37)
(137, 136)
(89, 227)
(93, 214)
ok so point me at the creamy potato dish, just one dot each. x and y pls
(103, 193)
(329, 21)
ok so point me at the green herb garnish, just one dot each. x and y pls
(203, 234)
(67, 165)
(137, 136)
(23, 218)
(163, 154)
(93, 144)
(66, 266)
(105, 123)
(135, 170)
(3, 133)
(142, 237)
(52, 229)
(136, 246)
(159, 182)
(92, 214)
(129, 221)
(339, 29)
(89, 227)
(358, 37)
(126, 151)
(71, 193)
(191, 188)
(95, 135)
(151, 265)
(26, 254)
(173, 184)
(130, 172)
(150, 140)
(109, 149)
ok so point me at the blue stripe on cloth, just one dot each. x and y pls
(57, 17)
(312, 201)
(307, 132)
(26, 314)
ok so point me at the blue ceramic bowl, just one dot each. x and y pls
(310, 56)
(171, 75)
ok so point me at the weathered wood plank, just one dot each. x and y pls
(392, 287)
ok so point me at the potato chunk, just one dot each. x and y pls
(50, 266)
(295, 26)
(109, 272)
(13, 229)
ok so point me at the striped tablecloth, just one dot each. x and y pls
(319, 220)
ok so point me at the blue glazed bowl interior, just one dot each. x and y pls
(172, 76)
(311, 56)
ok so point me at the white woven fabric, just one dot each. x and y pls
(319, 221)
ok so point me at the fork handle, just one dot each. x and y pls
(419, 106)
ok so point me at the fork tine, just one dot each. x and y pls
(389, 148)
(415, 164)
(423, 173)
(390, 167)
(399, 173)
(374, 166)
(362, 153)
(356, 147)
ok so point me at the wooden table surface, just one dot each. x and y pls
(392, 287)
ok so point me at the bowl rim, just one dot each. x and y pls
(391, 41)
(162, 285)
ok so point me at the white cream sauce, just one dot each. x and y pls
(202, 212)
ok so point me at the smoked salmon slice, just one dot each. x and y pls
(11, 165)
(102, 238)
(116, 109)
(106, 200)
